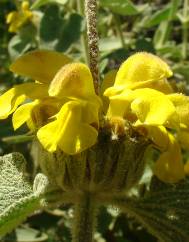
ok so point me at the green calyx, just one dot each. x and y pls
(110, 166)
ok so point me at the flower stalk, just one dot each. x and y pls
(92, 34)
(84, 218)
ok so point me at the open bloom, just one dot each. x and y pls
(60, 106)
(16, 19)
(142, 95)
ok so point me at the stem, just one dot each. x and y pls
(92, 34)
(80, 8)
(168, 24)
(119, 30)
(85, 218)
(185, 30)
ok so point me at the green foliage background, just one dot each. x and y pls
(160, 27)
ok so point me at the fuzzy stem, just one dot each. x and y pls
(92, 34)
(85, 218)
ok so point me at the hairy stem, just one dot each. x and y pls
(84, 218)
(92, 34)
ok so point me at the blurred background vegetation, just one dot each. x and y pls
(125, 27)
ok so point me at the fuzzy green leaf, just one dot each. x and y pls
(164, 212)
(51, 24)
(17, 199)
(157, 17)
(67, 37)
(125, 7)
(17, 139)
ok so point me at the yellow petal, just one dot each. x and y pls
(157, 134)
(112, 91)
(9, 102)
(186, 168)
(23, 114)
(13, 28)
(11, 99)
(181, 104)
(120, 104)
(161, 85)
(15, 21)
(153, 107)
(183, 137)
(90, 113)
(72, 80)
(25, 5)
(44, 111)
(18, 18)
(11, 16)
(141, 67)
(40, 65)
(169, 167)
(118, 107)
(108, 81)
(141, 70)
(68, 132)
(150, 106)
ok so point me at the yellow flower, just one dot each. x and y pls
(61, 105)
(16, 19)
(142, 70)
(71, 131)
(142, 95)
(169, 167)
(149, 106)
(108, 81)
(183, 137)
(186, 168)
(181, 103)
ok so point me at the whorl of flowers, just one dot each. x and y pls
(64, 112)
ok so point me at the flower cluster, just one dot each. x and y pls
(16, 19)
(61, 106)
(142, 95)
(64, 107)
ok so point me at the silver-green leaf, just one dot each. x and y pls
(17, 199)
(164, 212)
(124, 8)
